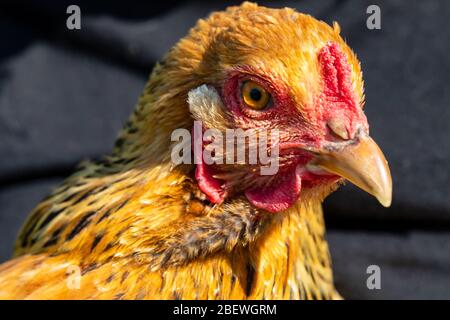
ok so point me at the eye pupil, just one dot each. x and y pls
(255, 94)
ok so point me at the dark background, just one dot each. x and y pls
(65, 94)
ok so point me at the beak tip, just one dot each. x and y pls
(385, 201)
(383, 193)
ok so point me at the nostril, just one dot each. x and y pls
(338, 128)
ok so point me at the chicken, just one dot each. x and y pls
(136, 226)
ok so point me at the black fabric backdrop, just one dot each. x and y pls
(64, 95)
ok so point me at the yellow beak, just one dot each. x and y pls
(363, 164)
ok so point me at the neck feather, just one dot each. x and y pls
(291, 259)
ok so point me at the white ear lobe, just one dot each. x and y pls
(206, 105)
(202, 96)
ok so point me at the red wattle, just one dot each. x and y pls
(280, 196)
(209, 185)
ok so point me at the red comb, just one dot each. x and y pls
(336, 74)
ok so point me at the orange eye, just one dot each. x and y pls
(255, 96)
